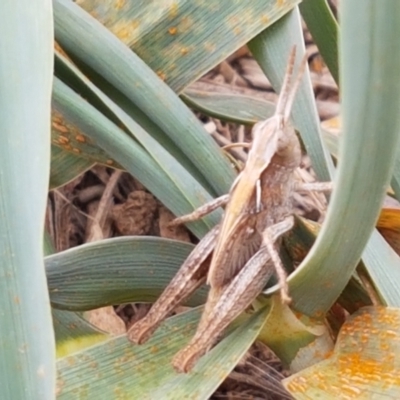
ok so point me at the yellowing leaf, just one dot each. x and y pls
(365, 363)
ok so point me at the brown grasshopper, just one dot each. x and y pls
(238, 256)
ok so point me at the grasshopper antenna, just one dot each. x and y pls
(292, 94)
(285, 90)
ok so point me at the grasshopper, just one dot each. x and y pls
(238, 256)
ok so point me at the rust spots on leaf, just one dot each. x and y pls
(298, 385)
(173, 30)
(154, 349)
(80, 138)
(264, 19)
(354, 365)
(184, 50)
(109, 162)
(365, 360)
(119, 4)
(63, 140)
(161, 75)
(76, 150)
(59, 127)
(126, 30)
(123, 33)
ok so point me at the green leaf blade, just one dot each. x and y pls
(371, 123)
(324, 30)
(130, 371)
(103, 52)
(128, 153)
(27, 369)
(114, 271)
(184, 39)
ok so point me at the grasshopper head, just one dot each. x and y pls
(275, 140)
(288, 150)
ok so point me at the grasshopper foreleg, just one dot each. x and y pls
(314, 187)
(201, 211)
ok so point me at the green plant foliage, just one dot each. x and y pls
(27, 369)
(227, 107)
(182, 40)
(115, 271)
(126, 370)
(121, 97)
(66, 166)
(164, 182)
(324, 30)
(117, 64)
(352, 215)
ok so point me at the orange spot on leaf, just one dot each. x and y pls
(59, 127)
(80, 138)
(63, 140)
(173, 30)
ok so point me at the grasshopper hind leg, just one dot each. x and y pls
(270, 235)
(223, 305)
(191, 275)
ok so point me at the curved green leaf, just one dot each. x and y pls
(324, 30)
(110, 58)
(93, 91)
(371, 123)
(73, 333)
(215, 366)
(188, 188)
(227, 107)
(119, 368)
(332, 142)
(75, 112)
(115, 271)
(285, 332)
(26, 66)
(298, 243)
(383, 266)
(182, 40)
(66, 166)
